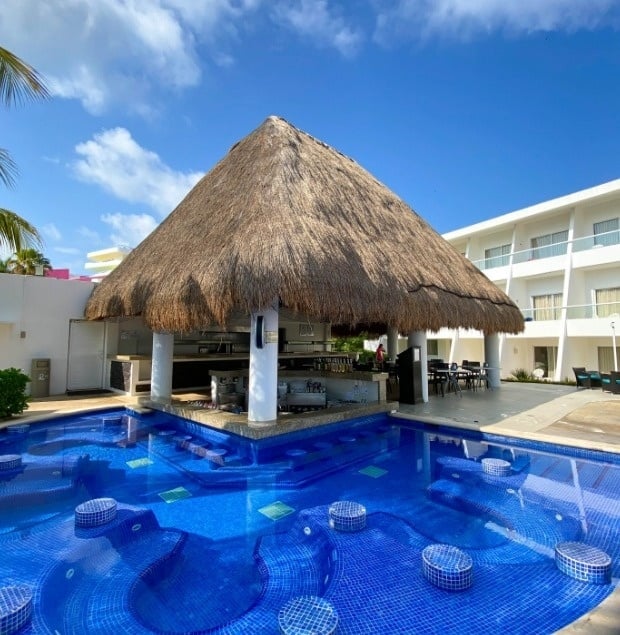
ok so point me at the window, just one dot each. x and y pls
(606, 358)
(496, 256)
(545, 358)
(606, 232)
(547, 307)
(607, 302)
(432, 348)
(549, 245)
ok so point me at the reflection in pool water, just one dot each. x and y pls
(216, 533)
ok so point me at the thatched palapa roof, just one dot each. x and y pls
(284, 215)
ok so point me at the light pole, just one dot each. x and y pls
(613, 345)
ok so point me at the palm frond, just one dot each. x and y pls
(18, 80)
(16, 233)
(8, 168)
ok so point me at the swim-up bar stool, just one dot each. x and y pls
(95, 512)
(10, 462)
(583, 562)
(347, 516)
(447, 567)
(15, 608)
(308, 614)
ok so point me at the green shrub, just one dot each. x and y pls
(520, 374)
(13, 398)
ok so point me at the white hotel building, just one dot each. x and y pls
(560, 262)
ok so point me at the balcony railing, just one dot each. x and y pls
(548, 251)
(574, 312)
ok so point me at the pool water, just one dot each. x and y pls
(215, 533)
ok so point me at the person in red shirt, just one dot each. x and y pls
(380, 356)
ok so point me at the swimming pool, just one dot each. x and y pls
(215, 533)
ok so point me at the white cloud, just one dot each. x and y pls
(119, 51)
(129, 229)
(71, 251)
(51, 231)
(464, 18)
(315, 19)
(114, 161)
(87, 233)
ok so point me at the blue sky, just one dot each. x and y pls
(465, 108)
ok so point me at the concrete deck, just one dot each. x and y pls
(558, 414)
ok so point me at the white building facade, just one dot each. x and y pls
(42, 319)
(560, 263)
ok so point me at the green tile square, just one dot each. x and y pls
(139, 463)
(276, 510)
(373, 471)
(176, 494)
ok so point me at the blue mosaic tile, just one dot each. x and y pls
(15, 608)
(583, 562)
(97, 511)
(447, 567)
(307, 614)
(347, 516)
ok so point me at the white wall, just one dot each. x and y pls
(34, 322)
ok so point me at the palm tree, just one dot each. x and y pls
(4, 266)
(18, 81)
(26, 261)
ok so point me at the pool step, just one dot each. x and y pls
(88, 590)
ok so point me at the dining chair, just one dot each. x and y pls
(483, 376)
(453, 379)
(473, 379)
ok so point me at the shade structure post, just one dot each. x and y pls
(161, 366)
(263, 380)
(613, 346)
(418, 338)
(491, 357)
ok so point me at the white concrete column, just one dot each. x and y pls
(492, 358)
(418, 338)
(392, 343)
(161, 366)
(263, 380)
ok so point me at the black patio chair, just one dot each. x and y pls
(453, 379)
(615, 382)
(440, 379)
(582, 377)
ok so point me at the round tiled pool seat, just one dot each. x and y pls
(15, 608)
(215, 456)
(347, 516)
(496, 467)
(347, 438)
(308, 615)
(296, 455)
(18, 428)
(583, 562)
(447, 567)
(10, 461)
(167, 434)
(112, 420)
(182, 440)
(95, 512)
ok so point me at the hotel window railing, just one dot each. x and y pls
(557, 249)
(574, 312)
(606, 239)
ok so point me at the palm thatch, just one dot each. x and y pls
(285, 216)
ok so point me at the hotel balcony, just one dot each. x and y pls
(587, 251)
